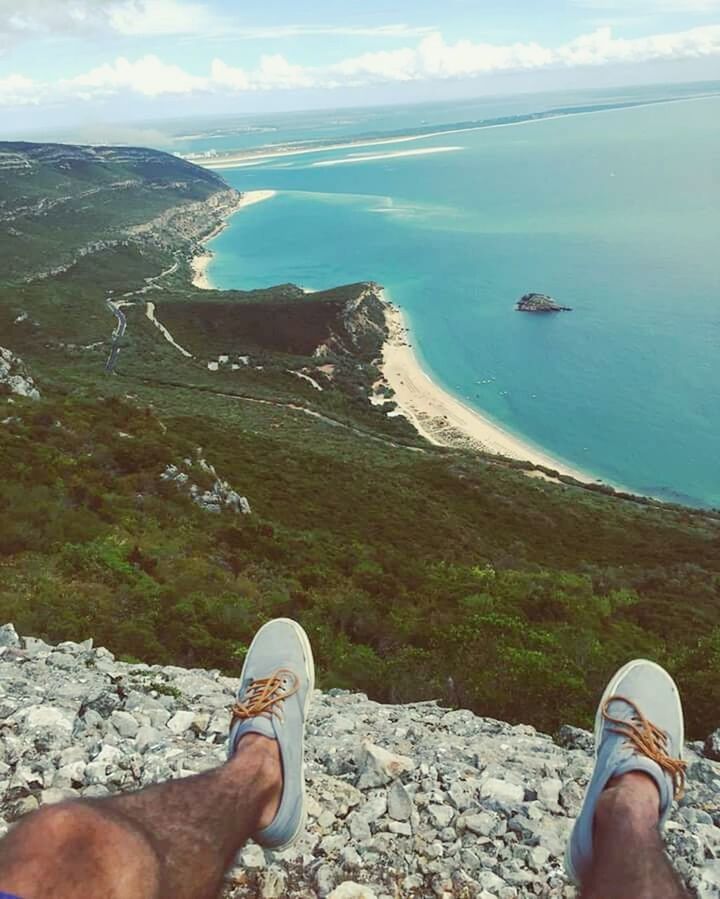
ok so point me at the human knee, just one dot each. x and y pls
(84, 826)
(45, 843)
(80, 841)
(62, 824)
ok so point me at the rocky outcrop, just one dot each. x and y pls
(90, 249)
(190, 223)
(539, 302)
(14, 376)
(360, 330)
(186, 225)
(212, 496)
(404, 801)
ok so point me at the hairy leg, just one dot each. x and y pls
(629, 858)
(169, 841)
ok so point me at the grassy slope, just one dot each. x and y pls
(419, 573)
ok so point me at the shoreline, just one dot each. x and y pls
(249, 157)
(445, 420)
(199, 264)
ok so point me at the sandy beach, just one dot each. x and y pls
(200, 263)
(440, 417)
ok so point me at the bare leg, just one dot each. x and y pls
(629, 857)
(170, 841)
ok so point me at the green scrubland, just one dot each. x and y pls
(419, 572)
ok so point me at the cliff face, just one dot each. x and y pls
(360, 329)
(405, 801)
(189, 222)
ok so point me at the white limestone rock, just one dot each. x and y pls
(220, 495)
(14, 376)
(8, 636)
(378, 766)
(181, 722)
(348, 889)
(403, 800)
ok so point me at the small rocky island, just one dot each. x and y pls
(539, 302)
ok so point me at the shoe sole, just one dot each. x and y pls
(310, 671)
(610, 691)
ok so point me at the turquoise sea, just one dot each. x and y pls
(614, 213)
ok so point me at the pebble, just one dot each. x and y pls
(350, 890)
(412, 800)
(400, 804)
(252, 856)
(181, 722)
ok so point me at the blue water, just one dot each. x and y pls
(616, 214)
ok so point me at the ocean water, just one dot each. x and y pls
(615, 213)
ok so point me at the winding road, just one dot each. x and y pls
(117, 334)
(116, 309)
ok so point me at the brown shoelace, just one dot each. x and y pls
(264, 695)
(649, 740)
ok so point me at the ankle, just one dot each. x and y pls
(630, 801)
(261, 756)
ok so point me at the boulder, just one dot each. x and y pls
(378, 766)
(8, 636)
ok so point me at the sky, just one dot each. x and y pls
(66, 61)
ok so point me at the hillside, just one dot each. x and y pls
(420, 572)
(404, 800)
(58, 202)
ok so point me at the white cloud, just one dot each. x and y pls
(82, 18)
(276, 72)
(152, 18)
(382, 65)
(601, 47)
(229, 76)
(17, 90)
(431, 59)
(434, 58)
(148, 76)
(156, 17)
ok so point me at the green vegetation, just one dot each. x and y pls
(419, 572)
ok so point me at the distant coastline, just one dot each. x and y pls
(199, 264)
(445, 420)
(252, 157)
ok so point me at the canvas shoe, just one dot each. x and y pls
(638, 727)
(276, 687)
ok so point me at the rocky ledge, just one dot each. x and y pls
(14, 376)
(405, 801)
(539, 302)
